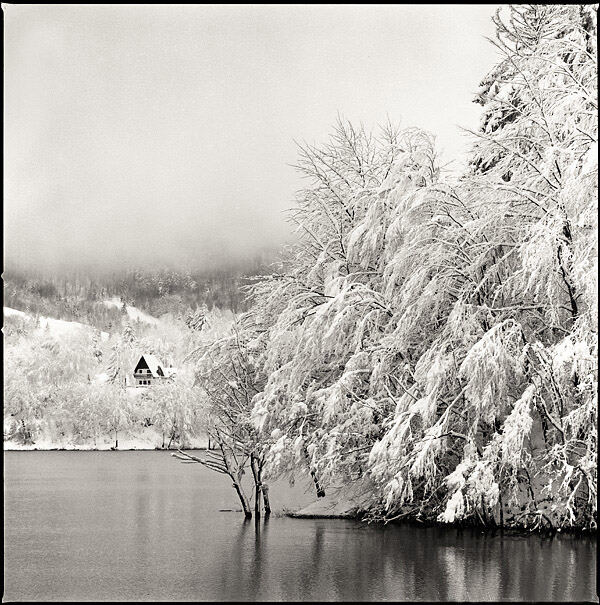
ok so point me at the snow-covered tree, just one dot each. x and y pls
(437, 336)
(170, 405)
(330, 310)
(122, 356)
(227, 378)
(502, 405)
(196, 320)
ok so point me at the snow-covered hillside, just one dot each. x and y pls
(133, 312)
(56, 327)
(15, 313)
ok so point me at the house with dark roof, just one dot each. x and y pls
(149, 370)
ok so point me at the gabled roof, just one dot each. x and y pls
(153, 364)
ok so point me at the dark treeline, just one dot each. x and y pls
(74, 295)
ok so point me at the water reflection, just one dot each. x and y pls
(342, 560)
(120, 526)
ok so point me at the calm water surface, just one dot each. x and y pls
(140, 525)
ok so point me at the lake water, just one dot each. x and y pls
(142, 526)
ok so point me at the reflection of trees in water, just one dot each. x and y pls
(267, 560)
(154, 532)
(234, 571)
(258, 563)
(293, 559)
(467, 564)
(244, 566)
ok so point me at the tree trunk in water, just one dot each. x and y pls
(254, 465)
(261, 489)
(257, 495)
(116, 440)
(235, 474)
(266, 501)
(243, 500)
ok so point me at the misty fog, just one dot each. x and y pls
(164, 135)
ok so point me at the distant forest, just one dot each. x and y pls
(74, 295)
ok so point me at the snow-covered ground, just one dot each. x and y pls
(15, 313)
(144, 439)
(133, 312)
(56, 327)
(342, 501)
(59, 327)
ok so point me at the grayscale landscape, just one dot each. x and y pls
(300, 302)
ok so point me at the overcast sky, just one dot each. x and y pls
(144, 134)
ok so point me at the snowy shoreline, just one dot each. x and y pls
(351, 502)
(149, 440)
(316, 510)
(33, 448)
